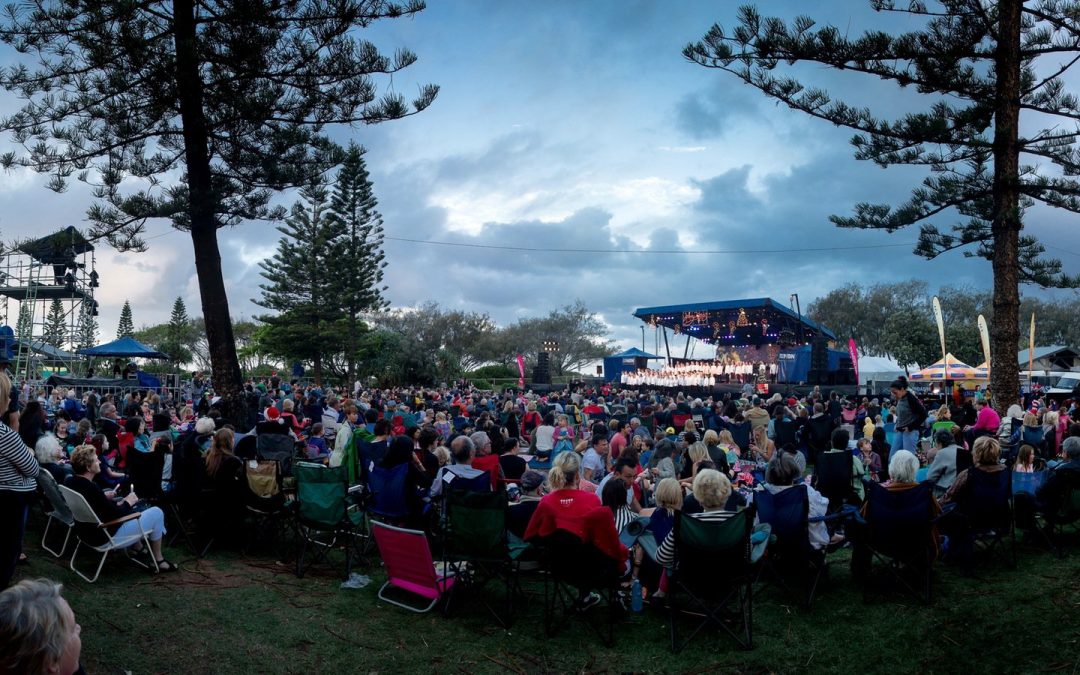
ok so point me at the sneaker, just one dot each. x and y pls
(590, 600)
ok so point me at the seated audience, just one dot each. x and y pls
(85, 466)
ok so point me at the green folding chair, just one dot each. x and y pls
(326, 518)
(713, 571)
(477, 547)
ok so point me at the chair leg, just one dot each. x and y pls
(45, 537)
(97, 573)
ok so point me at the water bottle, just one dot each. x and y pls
(635, 596)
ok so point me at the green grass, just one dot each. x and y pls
(235, 614)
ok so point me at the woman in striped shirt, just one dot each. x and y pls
(18, 471)
(711, 489)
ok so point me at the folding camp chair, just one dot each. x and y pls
(572, 568)
(818, 438)
(832, 478)
(278, 447)
(106, 543)
(475, 533)
(740, 433)
(790, 556)
(898, 532)
(784, 430)
(268, 512)
(1064, 514)
(409, 566)
(387, 487)
(712, 568)
(58, 511)
(325, 516)
(988, 514)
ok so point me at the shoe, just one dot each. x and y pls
(590, 600)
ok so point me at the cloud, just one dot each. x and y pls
(682, 148)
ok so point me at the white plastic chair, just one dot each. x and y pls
(58, 512)
(82, 513)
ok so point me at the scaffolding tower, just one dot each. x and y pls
(33, 275)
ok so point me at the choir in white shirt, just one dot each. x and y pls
(699, 374)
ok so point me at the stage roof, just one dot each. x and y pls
(753, 321)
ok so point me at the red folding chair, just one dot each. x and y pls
(409, 566)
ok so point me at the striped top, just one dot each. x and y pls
(665, 555)
(18, 468)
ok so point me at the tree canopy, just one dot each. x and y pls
(197, 112)
(981, 68)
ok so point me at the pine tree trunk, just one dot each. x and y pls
(225, 368)
(1005, 330)
(350, 354)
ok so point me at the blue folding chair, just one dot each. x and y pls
(898, 532)
(387, 488)
(790, 557)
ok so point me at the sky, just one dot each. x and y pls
(577, 125)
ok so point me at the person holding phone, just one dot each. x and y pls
(109, 508)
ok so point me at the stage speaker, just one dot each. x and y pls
(819, 354)
(542, 372)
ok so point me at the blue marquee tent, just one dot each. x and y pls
(124, 348)
(630, 360)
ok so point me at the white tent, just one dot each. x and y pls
(879, 369)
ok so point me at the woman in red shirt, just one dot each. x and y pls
(575, 511)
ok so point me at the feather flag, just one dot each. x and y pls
(984, 334)
(940, 328)
(1031, 347)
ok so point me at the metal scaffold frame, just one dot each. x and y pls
(34, 274)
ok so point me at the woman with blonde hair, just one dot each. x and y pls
(669, 500)
(568, 509)
(729, 446)
(694, 455)
(762, 448)
(85, 465)
(711, 489)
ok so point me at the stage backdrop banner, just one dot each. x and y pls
(854, 353)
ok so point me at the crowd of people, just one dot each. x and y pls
(593, 463)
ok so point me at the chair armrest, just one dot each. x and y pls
(130, 516)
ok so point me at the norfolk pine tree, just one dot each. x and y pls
(126, 327)
(298, 285)
(358, 261)
(55, 333)
(981, 65)
(233, 98)
(178, 335)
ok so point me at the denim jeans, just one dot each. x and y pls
(905, 440)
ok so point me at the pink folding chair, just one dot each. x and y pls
(409, 565)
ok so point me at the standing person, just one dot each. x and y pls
(910, 416)
(18, 471)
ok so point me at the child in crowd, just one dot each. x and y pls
(442, 426)
(870, 459)
(316, 444)
(1025, 460)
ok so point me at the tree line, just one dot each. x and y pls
(897, 320)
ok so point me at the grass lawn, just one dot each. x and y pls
(236, 614)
